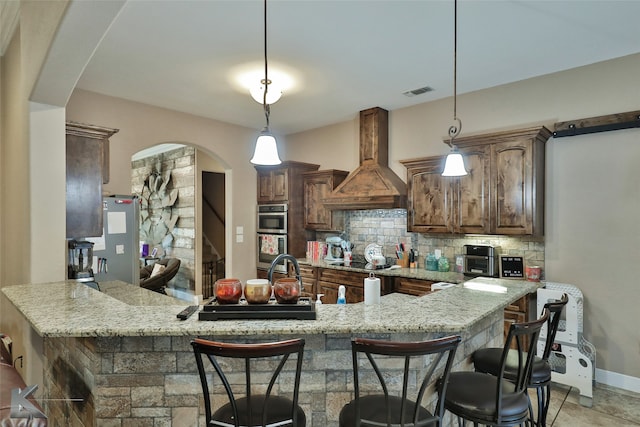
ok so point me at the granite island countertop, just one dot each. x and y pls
(69, 309)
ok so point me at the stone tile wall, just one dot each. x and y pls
(153, 381)
(388, 227)
(181, 163)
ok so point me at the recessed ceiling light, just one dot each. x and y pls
(418, 91)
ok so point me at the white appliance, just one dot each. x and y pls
(335, 250)
(271, 227)
(116, 254)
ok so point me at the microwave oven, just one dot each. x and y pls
(272, 218)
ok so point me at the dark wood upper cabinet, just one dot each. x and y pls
(87, 168)
(503, 192)
(273, 185)
(283, 183)
(317, 186)
(429, 196)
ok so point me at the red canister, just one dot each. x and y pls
(533, 273)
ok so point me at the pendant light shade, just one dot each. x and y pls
(266, 152)
(454, 165)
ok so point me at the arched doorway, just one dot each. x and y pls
(183, 213)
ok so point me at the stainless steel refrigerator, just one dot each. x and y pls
(116, 255)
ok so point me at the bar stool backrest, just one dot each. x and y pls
(278, 351)
(519, 334)
(442, 352)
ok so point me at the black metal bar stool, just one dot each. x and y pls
(493, 399)
(395, 407)
(251, 409)
(487, 360)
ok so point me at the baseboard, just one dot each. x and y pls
(614, 379)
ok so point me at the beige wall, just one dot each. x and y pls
(20, 66)
(592, 231)
(142, 126)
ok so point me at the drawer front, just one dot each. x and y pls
(342, 277)
(520, 305)
(308, 275)
(412, 286)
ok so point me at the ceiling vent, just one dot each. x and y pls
(418, 91)
(373, 185)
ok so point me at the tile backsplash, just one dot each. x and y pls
(388, 227)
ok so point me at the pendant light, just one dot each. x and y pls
(266, 152)
(454, 165)
(273, 95)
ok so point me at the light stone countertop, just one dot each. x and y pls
(70, 309)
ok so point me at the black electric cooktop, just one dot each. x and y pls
(365, 265)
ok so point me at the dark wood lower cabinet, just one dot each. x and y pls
(329, 281)
(517, 312)
(308, 275)
(416, 287)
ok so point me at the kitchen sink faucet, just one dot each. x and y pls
(280, 258)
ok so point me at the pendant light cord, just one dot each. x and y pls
(454, 130)
(455, 57)
(267, 110)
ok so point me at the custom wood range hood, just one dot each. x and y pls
(373, 185)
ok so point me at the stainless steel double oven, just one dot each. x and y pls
(272, 235)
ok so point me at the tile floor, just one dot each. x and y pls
(612, 407)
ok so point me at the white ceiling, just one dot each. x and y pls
(344, 55)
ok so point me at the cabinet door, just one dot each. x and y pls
(280, 179)
(517, 312)
(329, 280)
(330, 292)
(84, 187)
(273, 185)
(512, 177)
(316, 216)
(429, 198)
(309, 279)
(471, 211)
(317, 186)
(265, 187)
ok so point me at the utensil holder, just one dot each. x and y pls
(404, 261)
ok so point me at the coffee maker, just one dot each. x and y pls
(80, 261)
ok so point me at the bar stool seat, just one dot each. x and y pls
(245, 407)
(487, 360)
(396, 405)
(497, 400)
(476, 395)
(376, 408)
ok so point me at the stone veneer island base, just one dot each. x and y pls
(121, 358)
